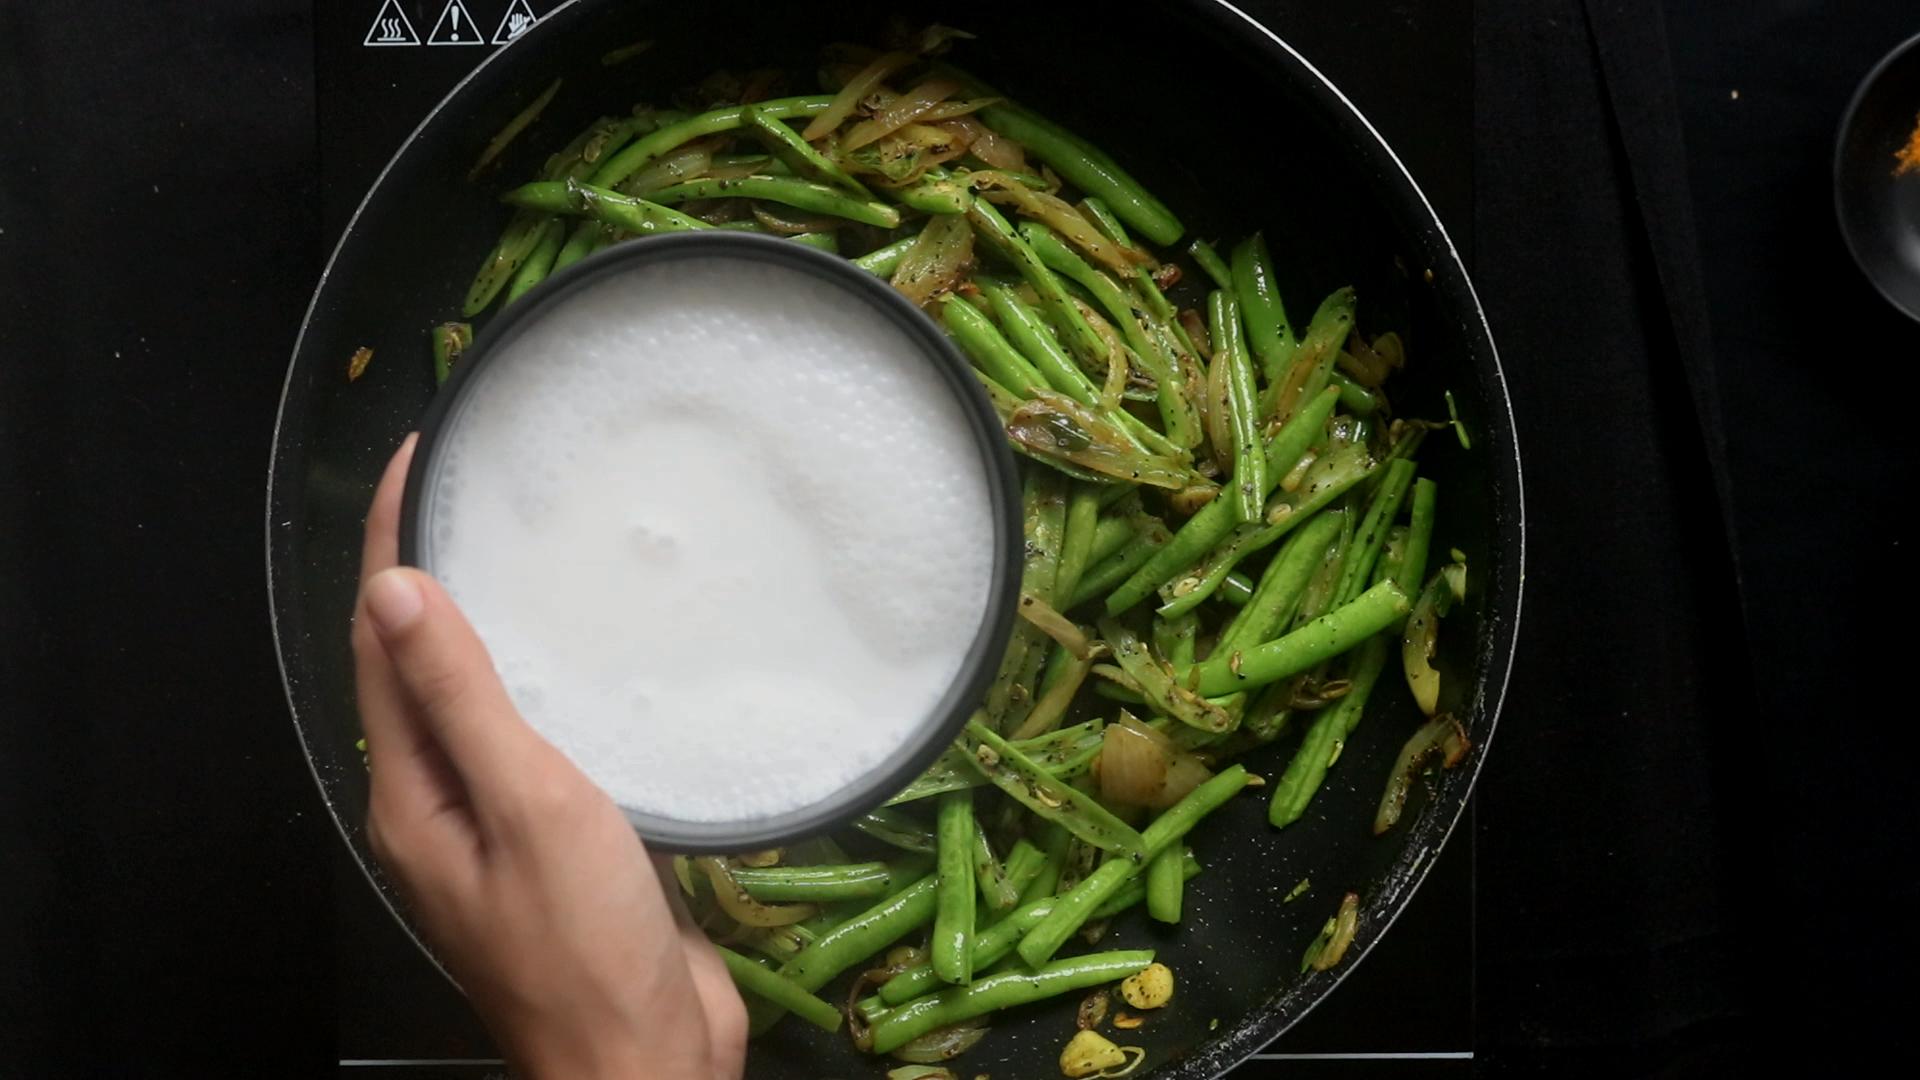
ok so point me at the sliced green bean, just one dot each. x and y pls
(786, 190)
(990, 225)
(1382, 508)
(981, 340)
(1331, 725)
(863, 935)
(1236, 589)
(1165, 884)
(896, 828)
(539, 263)
(1003, 991)
(1023, 865)
(449, 340)
(1120, 567)
(1044, 511)
(1312, 364)
(814, 884)
(1135, 891)
(677, 134)
(952, 948)
(1156, 681)
(1269, 335)
(989, 946)
(1413, 558)
(799, 154)
(1322, 639)
(1359, 400)
(779, 990)
(620, 211)
(1051, 798)
(988, 875)
(1282, 585)
(1211, 262)
(882, 262)
(934, 194)
(587, 236)
(1214, 521)
(1073, 908)
(1076, 547)
(1249, 485)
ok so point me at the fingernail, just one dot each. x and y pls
(393, 600)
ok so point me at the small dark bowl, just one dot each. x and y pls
(1880, 212)
(941, 726)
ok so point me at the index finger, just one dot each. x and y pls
(381, 547)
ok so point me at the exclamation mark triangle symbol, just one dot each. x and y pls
(391, 27)
(455, 27)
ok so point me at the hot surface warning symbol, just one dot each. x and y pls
(518, 20)
(455, 27)
(390, 27)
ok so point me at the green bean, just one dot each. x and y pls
(1120, 567)
(1047, 796)
(1156, 681)
(779, 943)
(989, 946)
(1358, 399)
(1214, 521)
(1176, 413)
(979, 339)
(999, 234)
(1304, 774)
(863, 935)
(1082, 164)
(883, 261)
(1249, 486)
(1024, 327)
(1003, 991)
(539, 263)
(988, 875)
(1268, 333)
(1413, 558)
(1135, 891)
(1282, 585)
(1312, 363)
(1073, 908)
(1330, 478)
(1064, 753)
(1110, 535)
(1325, 637)
(1044, 512)
(788, 191)
(799, 154)
(1177, 638)
(677, 134)
(620, 211)
(825, 241)
(934, 194)
(1382, 508)
(814, 884)
(583, 241)
(1023, 865)
(779, 990)
(1165, 883)
(952, 949)
(1211, 262)
(1236, 589)
(893, 827)
(1076, 549)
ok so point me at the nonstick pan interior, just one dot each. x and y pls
(1226, 125)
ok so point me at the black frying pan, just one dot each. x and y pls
(1250, 136)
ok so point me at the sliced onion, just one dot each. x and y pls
(744, 909)
(850, 95)
(787, 221)
(1216, 410)
(990, 146)
(1444, 734)
(942, 1044)
(938, 260)
(1133, 762)
(686, 163)
(919, 1072)
(1050, 622)
(1059, 215)
(1419, 641)
(1331, 946)
(901, 111)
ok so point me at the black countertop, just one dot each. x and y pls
(1691, 835)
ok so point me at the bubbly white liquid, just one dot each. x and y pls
(724, 530)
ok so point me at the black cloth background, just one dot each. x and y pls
(1690, 848)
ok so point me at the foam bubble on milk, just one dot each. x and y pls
(725, 531)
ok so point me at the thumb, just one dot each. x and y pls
(448, 680)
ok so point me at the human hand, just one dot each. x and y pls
(525, 877)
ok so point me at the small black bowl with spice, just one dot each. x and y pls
(1876, 176)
